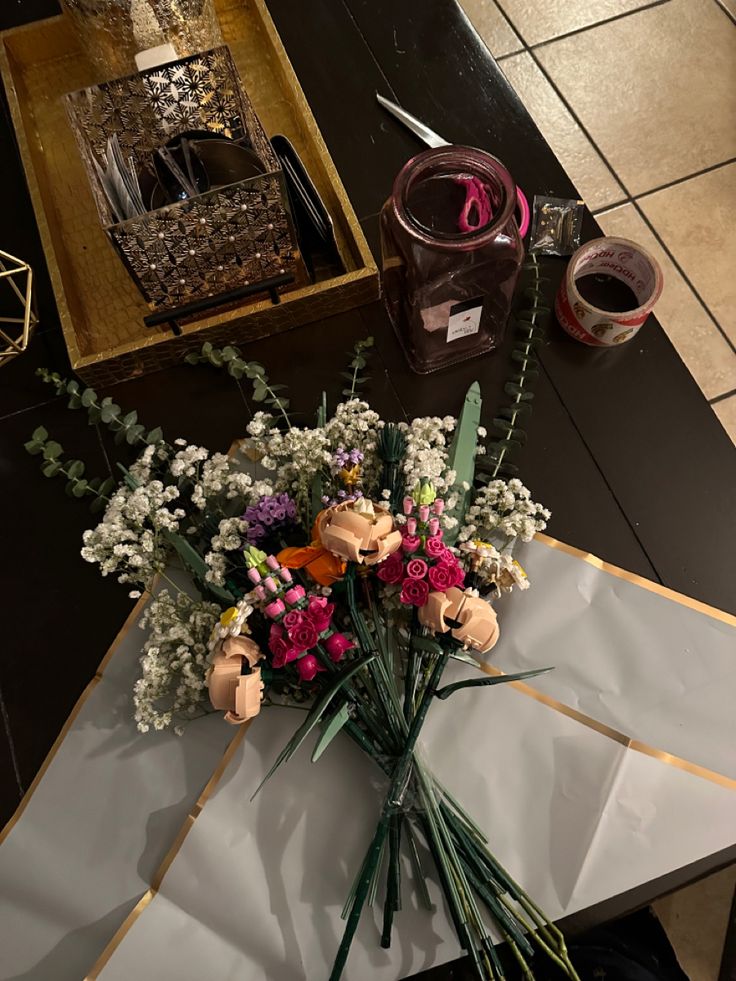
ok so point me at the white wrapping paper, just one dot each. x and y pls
(97, 827)
(256, 889)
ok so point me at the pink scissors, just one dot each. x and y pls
(477, 210)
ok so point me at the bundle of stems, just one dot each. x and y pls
(384, 705)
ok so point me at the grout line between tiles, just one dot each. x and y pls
(635, 203)
(11, 745)
(509, 54)
(590, 27)
(664, 187)
(610, 207)
(726, 11)
(722, 398)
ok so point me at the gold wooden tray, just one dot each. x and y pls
(100, 308)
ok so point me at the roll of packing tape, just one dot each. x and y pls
(623, 260)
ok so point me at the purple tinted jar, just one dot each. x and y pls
(448, 291)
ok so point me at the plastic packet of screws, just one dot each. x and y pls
(556, 225)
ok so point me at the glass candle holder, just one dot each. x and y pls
(451, 255)
(125, 36)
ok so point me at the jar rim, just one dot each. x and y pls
(477, 161)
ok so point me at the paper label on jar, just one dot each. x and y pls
(464, 319)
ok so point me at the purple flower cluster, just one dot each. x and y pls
(268, 515)
(347, 458)
(342, 495)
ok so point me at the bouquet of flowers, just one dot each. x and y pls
(339, 566)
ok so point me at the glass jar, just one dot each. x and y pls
(122, 37)
(451, 255)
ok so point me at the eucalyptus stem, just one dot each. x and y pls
(526, 351)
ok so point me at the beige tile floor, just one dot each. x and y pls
(638, 101)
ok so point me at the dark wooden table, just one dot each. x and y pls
(622, 445)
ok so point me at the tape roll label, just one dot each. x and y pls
(624, 261)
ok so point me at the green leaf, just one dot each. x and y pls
(72, 388)
(524, 357)
(336, 723)
(94, 415)
(429, 644)
(80, 488)
(75, 469)
(98, 504)
(347, 374)
(499, 679)
(52, 450)
(33, 447)
(506, 427)
(106, 486)
(461, 457)
(133, 433)
(315, 714)
(192, 358)
(229, 353)
(519, 408)
(155, 435)
(88, 397)
(196, 563)
(206, 348)
(39, 434)
(131, 419)
(51, 468)
(215, 358)
(236, 369)
(259, 394)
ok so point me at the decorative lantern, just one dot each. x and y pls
(236, 235)
(124, 36)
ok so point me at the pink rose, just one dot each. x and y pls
(336, 645)
(274, 609)
(441, 577)
(293, 595)
(320, 612)
(391, 569)
(292, 619)
(459, 574)
(303, 636)
(276, 631)
(410, 543)
(308, 666)
(414, 592)
(416, 569)
(282, 652)
(435, 548)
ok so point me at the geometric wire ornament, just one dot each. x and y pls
(16, 294)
